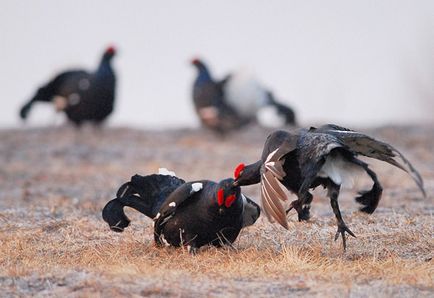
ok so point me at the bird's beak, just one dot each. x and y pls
(235, 184)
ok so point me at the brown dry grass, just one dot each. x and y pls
(54, 243)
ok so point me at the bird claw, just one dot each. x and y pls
(289, 209)
(304, 215)
(341, 230)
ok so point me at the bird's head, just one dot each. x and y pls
(198, 63)
(227, 196)
(109, 52)
(239, 174)
(246, 175)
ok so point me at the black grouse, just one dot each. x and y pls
(236, 100)
(306, 158)
(209, 102)
(83, 96)
(191, 214)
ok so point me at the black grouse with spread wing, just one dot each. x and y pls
(191, 214)
(306, 158)
(81, 95)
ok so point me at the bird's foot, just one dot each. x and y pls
(342, 228)
(304, 214)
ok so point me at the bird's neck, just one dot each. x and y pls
(204, 75)
(105, 68)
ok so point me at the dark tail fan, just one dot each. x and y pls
(145, 194)
(24, 112)
(43, 94)
(282, 109)
(52, 88)
(113, 214)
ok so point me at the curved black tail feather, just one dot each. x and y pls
(145, 194)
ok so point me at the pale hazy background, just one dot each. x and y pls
(349, 62)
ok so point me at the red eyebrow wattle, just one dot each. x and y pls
(220, 197)
(238, 170)
(229, 201)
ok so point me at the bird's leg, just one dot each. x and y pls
(302, 205)
(333, 193)
(370, 198)
(304, 214)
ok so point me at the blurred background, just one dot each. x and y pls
(350, 62)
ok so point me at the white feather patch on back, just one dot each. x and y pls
(196, 186)
(166, 172)
(244, 92)
(340, 171)
(269, 117)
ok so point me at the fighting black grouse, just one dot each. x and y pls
(306, 158)
(190, 214)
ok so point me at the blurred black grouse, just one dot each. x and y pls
(83, 96)
(236, 100)
(211, 107)
(306, 158)
(191, 214)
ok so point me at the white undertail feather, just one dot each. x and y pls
(166, 172)
(208, 113)
(244, 92)
(268, 116)
(249, 212)
(340, 171)
(60, 103)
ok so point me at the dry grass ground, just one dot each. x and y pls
(53, 241)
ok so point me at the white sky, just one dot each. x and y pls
(348, 62)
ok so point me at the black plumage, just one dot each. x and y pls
(81, 95)
(208, 97)
(191, 214)
(306, 158)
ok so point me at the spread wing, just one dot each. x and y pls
(271, 192)
(181, 196)
(367, 146)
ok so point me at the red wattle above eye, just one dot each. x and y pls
(238, 170)
(229, 201)
(220, 197)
